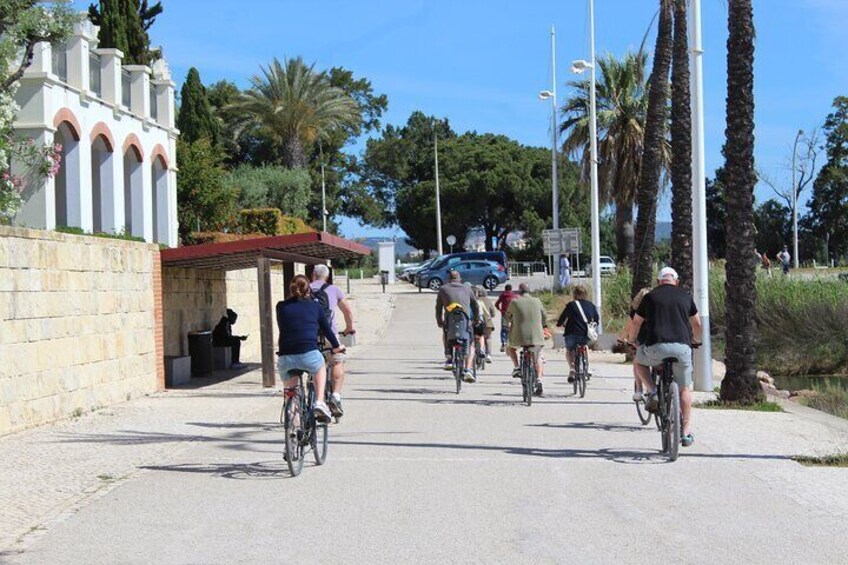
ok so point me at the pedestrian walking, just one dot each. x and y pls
(564, 271)
(785, 259)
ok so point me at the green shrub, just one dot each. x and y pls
(123, 235)
(616, 298)
(271, 187)
(260, 220)
(829, 398)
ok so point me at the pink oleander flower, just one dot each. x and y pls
(57, 147)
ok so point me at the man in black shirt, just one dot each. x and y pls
(670, 318)
(222, 336)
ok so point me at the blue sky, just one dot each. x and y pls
(482, 63)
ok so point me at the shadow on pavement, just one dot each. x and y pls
(628, 456)
(241, 471)
(217, 377)
(591, 426)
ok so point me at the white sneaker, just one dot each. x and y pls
(488, 358)
(637, 397)
(322, 412)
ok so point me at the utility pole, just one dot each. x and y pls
(593, 146)
(438, 197)
(703, 363)
(795, 202)
(554, 173)
(323, 197)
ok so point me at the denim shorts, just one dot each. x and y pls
(572, 341)
(311, 362)
(653, 355)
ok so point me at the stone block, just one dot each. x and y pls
(5, 421)
(4, 254)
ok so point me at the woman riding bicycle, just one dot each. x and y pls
(575, 319)
(640, 338)
(299, 319)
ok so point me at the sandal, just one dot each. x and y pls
(687, 440)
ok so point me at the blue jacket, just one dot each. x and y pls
(299, 320)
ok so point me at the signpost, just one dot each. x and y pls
(564, 241)
(451, 241)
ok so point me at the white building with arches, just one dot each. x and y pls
(115, 124)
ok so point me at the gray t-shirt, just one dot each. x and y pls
(459, 293)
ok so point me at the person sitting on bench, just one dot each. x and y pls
(222, 336)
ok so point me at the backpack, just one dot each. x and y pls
(323, 299)
(456, 326)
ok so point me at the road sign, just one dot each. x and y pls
(561, 241)
(451, 240)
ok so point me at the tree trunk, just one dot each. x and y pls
(649, 175)
(681, 150)
(740, 383)
(624, 232)
(294, 157)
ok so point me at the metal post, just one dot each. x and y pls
(554, 173)
(266, 329)
(795, 203)
(347, 278)
(593, 141)
(703, 364)
(323, 198)
(438, 197)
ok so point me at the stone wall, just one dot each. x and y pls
(77, 324)
(196, 299)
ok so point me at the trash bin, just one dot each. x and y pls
(200, 350)
(384, 279)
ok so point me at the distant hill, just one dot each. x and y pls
(401, 247)
(663, 231)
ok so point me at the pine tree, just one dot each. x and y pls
(195, 120)
(124, 25)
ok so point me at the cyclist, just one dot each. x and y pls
(672, 322)
(335, 298)
(528, 324)
(573, 320)
(502, 303)
(457, 293)
(640, 338)
(483, 330)
(299, 318)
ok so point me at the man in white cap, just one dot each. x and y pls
(672, 324)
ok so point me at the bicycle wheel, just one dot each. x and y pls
(641, 410)
(531, 380)
(293, 425)
(672, 430)
(576, 376)
(457, 369)
(320, 443)
(581, 380)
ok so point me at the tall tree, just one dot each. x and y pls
(651, 169)
(773, 222)
(827, 219)
(295, 106)
(124, 25)
(621, 107)
(740, 382)
(195, 120)
(681, 150)
(204, 203)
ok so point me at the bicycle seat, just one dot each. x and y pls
(295, 372)
(670, 360)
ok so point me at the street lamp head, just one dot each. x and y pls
(580, 65)
(545, 94)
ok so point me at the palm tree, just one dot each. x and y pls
(652, 154)
(294, 106)
(681, 150)
(621, 108)
(740, 382)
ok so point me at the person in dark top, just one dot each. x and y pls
(222, 336)
(299, 319)
(672, 321)
(576, 324)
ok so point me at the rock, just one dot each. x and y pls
(805, 393)
(769, 388)
(719, 371)
(764, 377)
(784, 394)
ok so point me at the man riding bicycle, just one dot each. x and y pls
(457, 296)
(672, 321)
(528, 324)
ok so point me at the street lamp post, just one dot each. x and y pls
(579, 67)
(439, 247)
(545, 95)
(795, 202)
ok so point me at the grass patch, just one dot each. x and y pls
(764, 406)
(106, 478)
(123, 235)
(839, 460)
(829, 398)
(76, 413)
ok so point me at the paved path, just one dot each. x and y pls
(418, 474)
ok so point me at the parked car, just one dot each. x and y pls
(608, 266)
(450, 259)
(411, 272)
(487, 273)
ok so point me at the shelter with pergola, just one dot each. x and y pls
(195, 282)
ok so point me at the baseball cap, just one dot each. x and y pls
(667, 273)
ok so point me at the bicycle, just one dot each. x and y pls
(668, 415)
(641, 408)
(303, 430)
(581, 369)
(527, 367)
(459, 353)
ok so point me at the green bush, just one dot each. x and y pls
(260, 220)
(616, 298)
(79, 231)
(829, 398)
(271, 187)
